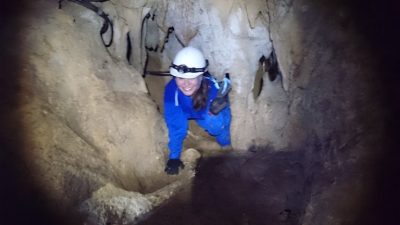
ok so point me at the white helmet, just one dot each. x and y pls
(188, 63)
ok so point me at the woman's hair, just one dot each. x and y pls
(199, 98)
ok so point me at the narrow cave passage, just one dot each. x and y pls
(314, 103)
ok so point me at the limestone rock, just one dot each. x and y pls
(112, 205)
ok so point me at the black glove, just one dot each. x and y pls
(173, 166)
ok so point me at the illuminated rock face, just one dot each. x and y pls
(89, 118)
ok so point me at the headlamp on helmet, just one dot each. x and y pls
(184, 69)
(188, 63)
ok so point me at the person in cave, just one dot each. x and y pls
(193, 94)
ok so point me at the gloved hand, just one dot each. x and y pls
(173, 165)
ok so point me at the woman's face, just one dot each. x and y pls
(188, 85)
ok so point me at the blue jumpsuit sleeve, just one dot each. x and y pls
(176, 121)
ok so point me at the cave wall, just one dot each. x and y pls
(89, 119)
(87, 115)
(336, 99)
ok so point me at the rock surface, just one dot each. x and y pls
(80, 121)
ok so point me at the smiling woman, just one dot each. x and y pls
(189, 96)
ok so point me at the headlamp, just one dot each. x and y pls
(184, 69)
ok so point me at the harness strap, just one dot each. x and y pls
(213, 80)
(176, 98)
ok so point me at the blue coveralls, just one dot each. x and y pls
(178, 109)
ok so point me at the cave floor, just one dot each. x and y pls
(256, 188)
